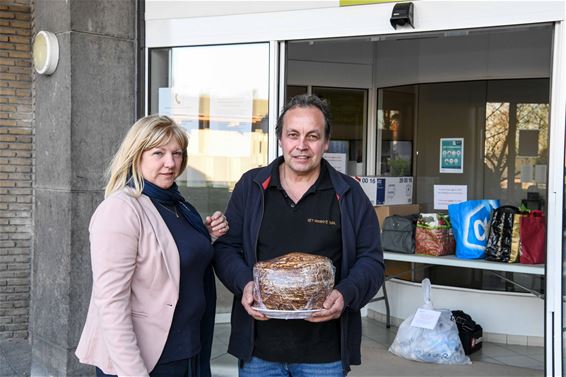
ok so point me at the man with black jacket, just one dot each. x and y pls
(300, 203)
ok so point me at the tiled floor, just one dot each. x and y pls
(495, 353)
(493, 360)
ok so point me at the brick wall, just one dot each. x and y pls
(16, 166)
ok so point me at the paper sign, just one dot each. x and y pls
(425, 318)
(451, 155)
(164, 101)
(449, 194)
(182, 106)
(337, 161)
(232, 114)
(527, 173)
(540, 173)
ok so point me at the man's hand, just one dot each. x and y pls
(247, 301)
(333, 306)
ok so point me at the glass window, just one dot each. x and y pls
(348, 109)
(516, 140)
(504, 124)
(395, 119)
(219, 94)
(295, 90)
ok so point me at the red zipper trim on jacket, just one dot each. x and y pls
(265, 183)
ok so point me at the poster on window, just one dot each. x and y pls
(181, 106)
(451, 155)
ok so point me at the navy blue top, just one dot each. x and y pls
(195, 252)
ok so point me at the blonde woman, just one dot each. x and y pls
(153, 296)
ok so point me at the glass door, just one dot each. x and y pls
(348, 109)
(338, 71)
(219, 94)
(564, 275)
(396, 112)
(222, 96)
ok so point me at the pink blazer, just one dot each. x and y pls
(135, 269)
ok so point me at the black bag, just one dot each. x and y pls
(500, 234)
(469, 331)
(398, 233)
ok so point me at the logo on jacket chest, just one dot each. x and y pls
(311, 220)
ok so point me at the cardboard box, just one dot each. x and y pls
(399, 209)
(387, 190)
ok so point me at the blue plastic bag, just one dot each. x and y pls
(470, 224)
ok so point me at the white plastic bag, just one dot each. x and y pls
(441, 345)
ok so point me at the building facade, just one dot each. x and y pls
(120, 59)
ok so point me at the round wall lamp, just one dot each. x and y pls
(45, 51)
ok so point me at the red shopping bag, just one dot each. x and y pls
(533, 234)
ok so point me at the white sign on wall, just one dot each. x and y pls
(449, 194)
(337, 161)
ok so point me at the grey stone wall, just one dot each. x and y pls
(16, 164)
(82, 112)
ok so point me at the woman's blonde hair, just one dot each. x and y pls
(148, 132)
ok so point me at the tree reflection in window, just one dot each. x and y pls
(515, 149)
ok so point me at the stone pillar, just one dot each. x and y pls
(82, 112)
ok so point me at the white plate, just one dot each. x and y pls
(287, 314)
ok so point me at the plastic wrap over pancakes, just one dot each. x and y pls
(294, 281)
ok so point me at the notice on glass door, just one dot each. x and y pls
(337, 161)
(451, 155)
(444, 195)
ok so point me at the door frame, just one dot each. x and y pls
(430, 16)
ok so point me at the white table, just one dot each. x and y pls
(452, 261)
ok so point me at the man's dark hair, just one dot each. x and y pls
(305, 100)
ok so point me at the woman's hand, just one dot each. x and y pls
(216, 224)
